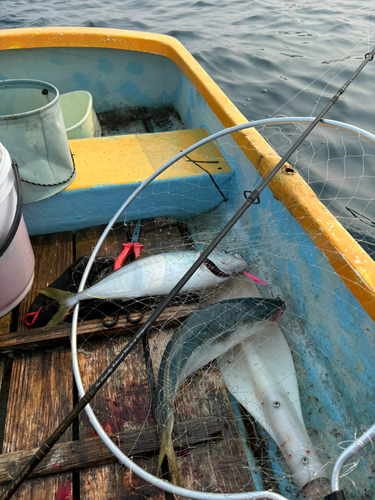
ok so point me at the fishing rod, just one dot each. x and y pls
(86, 397)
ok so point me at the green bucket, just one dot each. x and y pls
(79, 115)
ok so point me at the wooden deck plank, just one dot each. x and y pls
(74, 455)
(57, 336)
(5, 326)
(86, 240)
(216, 467)
(161, 235)
(5, 323)
(204, 395)
(40, 393)
(40, 396)
(123, 402)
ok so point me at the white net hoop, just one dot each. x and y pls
(279, 146)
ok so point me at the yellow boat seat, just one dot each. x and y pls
(109, 169)
(130, 159)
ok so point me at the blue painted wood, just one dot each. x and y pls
(78, 209)
(253, 466)
(331, 336)
(115, 78)
(329, 333)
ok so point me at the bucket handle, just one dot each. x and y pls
(54, 183)
(17, 216)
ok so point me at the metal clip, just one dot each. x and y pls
(110, 321)
(134, 321)
(247, 196)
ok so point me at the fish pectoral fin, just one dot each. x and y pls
(166, 449)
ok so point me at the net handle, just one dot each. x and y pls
(366, 438)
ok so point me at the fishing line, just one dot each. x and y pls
(208, 173)
(87, 396)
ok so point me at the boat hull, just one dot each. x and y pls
(290, 238)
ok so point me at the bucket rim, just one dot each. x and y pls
(23, 83)
(5, 163)
(4, 245)
(88, 111)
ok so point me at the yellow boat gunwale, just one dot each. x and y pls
(345, 255)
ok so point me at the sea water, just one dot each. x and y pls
(272, 57)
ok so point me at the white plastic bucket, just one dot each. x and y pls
(16, 253)
(32, 129)
(79, 115)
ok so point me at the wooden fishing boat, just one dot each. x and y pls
(153, 100)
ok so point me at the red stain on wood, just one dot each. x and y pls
(57, 464)
(64, 492)
(130, 406)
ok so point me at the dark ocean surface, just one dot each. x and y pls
(262, 54)
(271, 58)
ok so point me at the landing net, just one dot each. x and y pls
(313, 359)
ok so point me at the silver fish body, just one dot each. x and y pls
(158, 274)
(204, 336)
(153, 275)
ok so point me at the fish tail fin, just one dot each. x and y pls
(62, 298)
(166, 449)
(163, 449)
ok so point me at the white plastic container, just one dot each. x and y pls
(17, 261)
(79, 115)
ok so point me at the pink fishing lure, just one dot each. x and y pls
(255, 279)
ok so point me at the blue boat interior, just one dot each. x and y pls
(329, 333)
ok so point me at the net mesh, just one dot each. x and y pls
(339, 167)
(315, 360)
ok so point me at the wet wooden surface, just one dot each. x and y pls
(90, 452)
(45, 337)
(41, 386)
(38, 391)
(204, 395)
(122, 404)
